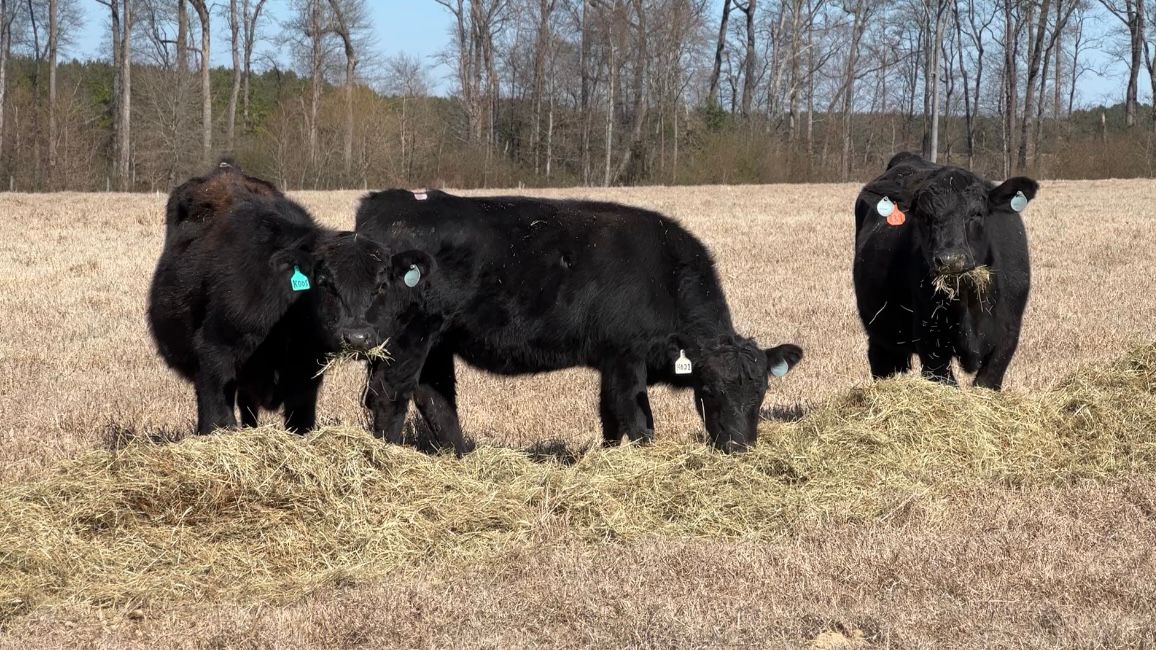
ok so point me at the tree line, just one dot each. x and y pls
(564, 92)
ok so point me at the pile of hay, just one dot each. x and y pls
(263, 515)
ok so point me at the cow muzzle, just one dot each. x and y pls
(953, 263)
(358, 340)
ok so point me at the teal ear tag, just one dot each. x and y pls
(298, 280)
(780, 369)
(1019, 202)
(412, 276)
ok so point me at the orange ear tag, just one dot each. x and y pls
(888, 209)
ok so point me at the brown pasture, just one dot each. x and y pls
(1006, 566)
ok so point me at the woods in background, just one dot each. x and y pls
(564, 92)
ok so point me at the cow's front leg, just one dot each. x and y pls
(936, 366)
(994, 366)
(387, 403)
(301, 402)
(436, 399)
(623, 403)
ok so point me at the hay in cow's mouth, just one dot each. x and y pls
(951, 284)
(376, 353)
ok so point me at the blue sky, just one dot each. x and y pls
(420, 28)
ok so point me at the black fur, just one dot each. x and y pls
(526, 286)
(956, 220)
(223, 313)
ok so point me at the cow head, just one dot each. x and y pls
(352, 280)
(729, 378)
(950, 208)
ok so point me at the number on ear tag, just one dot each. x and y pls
(682, 365)
(412, 276)
(780, 369)
(298, 280)
(1019, 202)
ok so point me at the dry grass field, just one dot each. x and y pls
(902, 515)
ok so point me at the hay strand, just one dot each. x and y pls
(951, 285)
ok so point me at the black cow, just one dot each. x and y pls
(528, 285)
(919, 221)
(250, 296)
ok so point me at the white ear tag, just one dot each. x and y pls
(885, 207)
(682, 365)
(1019, 202)
(412, 276)
(420, 196)
(780, 369)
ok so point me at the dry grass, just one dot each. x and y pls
(950, 285)
(872, 514)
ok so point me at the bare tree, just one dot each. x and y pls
(1131, 13)
(121, 24)
(7, 17)
(749, 57)
(349, 22)
(859, 11)
(202, 9)
(250, 19)
(716, 71)
(53, 43)
(936, 13)
(182, 36)
(235, 47)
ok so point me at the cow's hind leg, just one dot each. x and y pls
(436, 398)
(886, 361)
(624, 404)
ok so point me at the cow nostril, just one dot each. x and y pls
(356, 339)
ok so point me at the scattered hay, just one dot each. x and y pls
(376, 353)
(951, 285)
(265, 515)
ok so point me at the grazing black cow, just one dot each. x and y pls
(250, 296)
(921, 221)
(528, 285)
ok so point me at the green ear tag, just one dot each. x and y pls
(298, 280)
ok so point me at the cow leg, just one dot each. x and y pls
(994, 366)
(887, 362)
(249, 406)
(387, 405)
(437, 401)
(215, 399)
(623, 403)
(301, 403)
(936, 366)
(216, 386)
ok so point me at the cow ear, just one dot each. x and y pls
(411, 267)
(782, 358)
(284, 260)
(1007, 195)
(676, 344)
